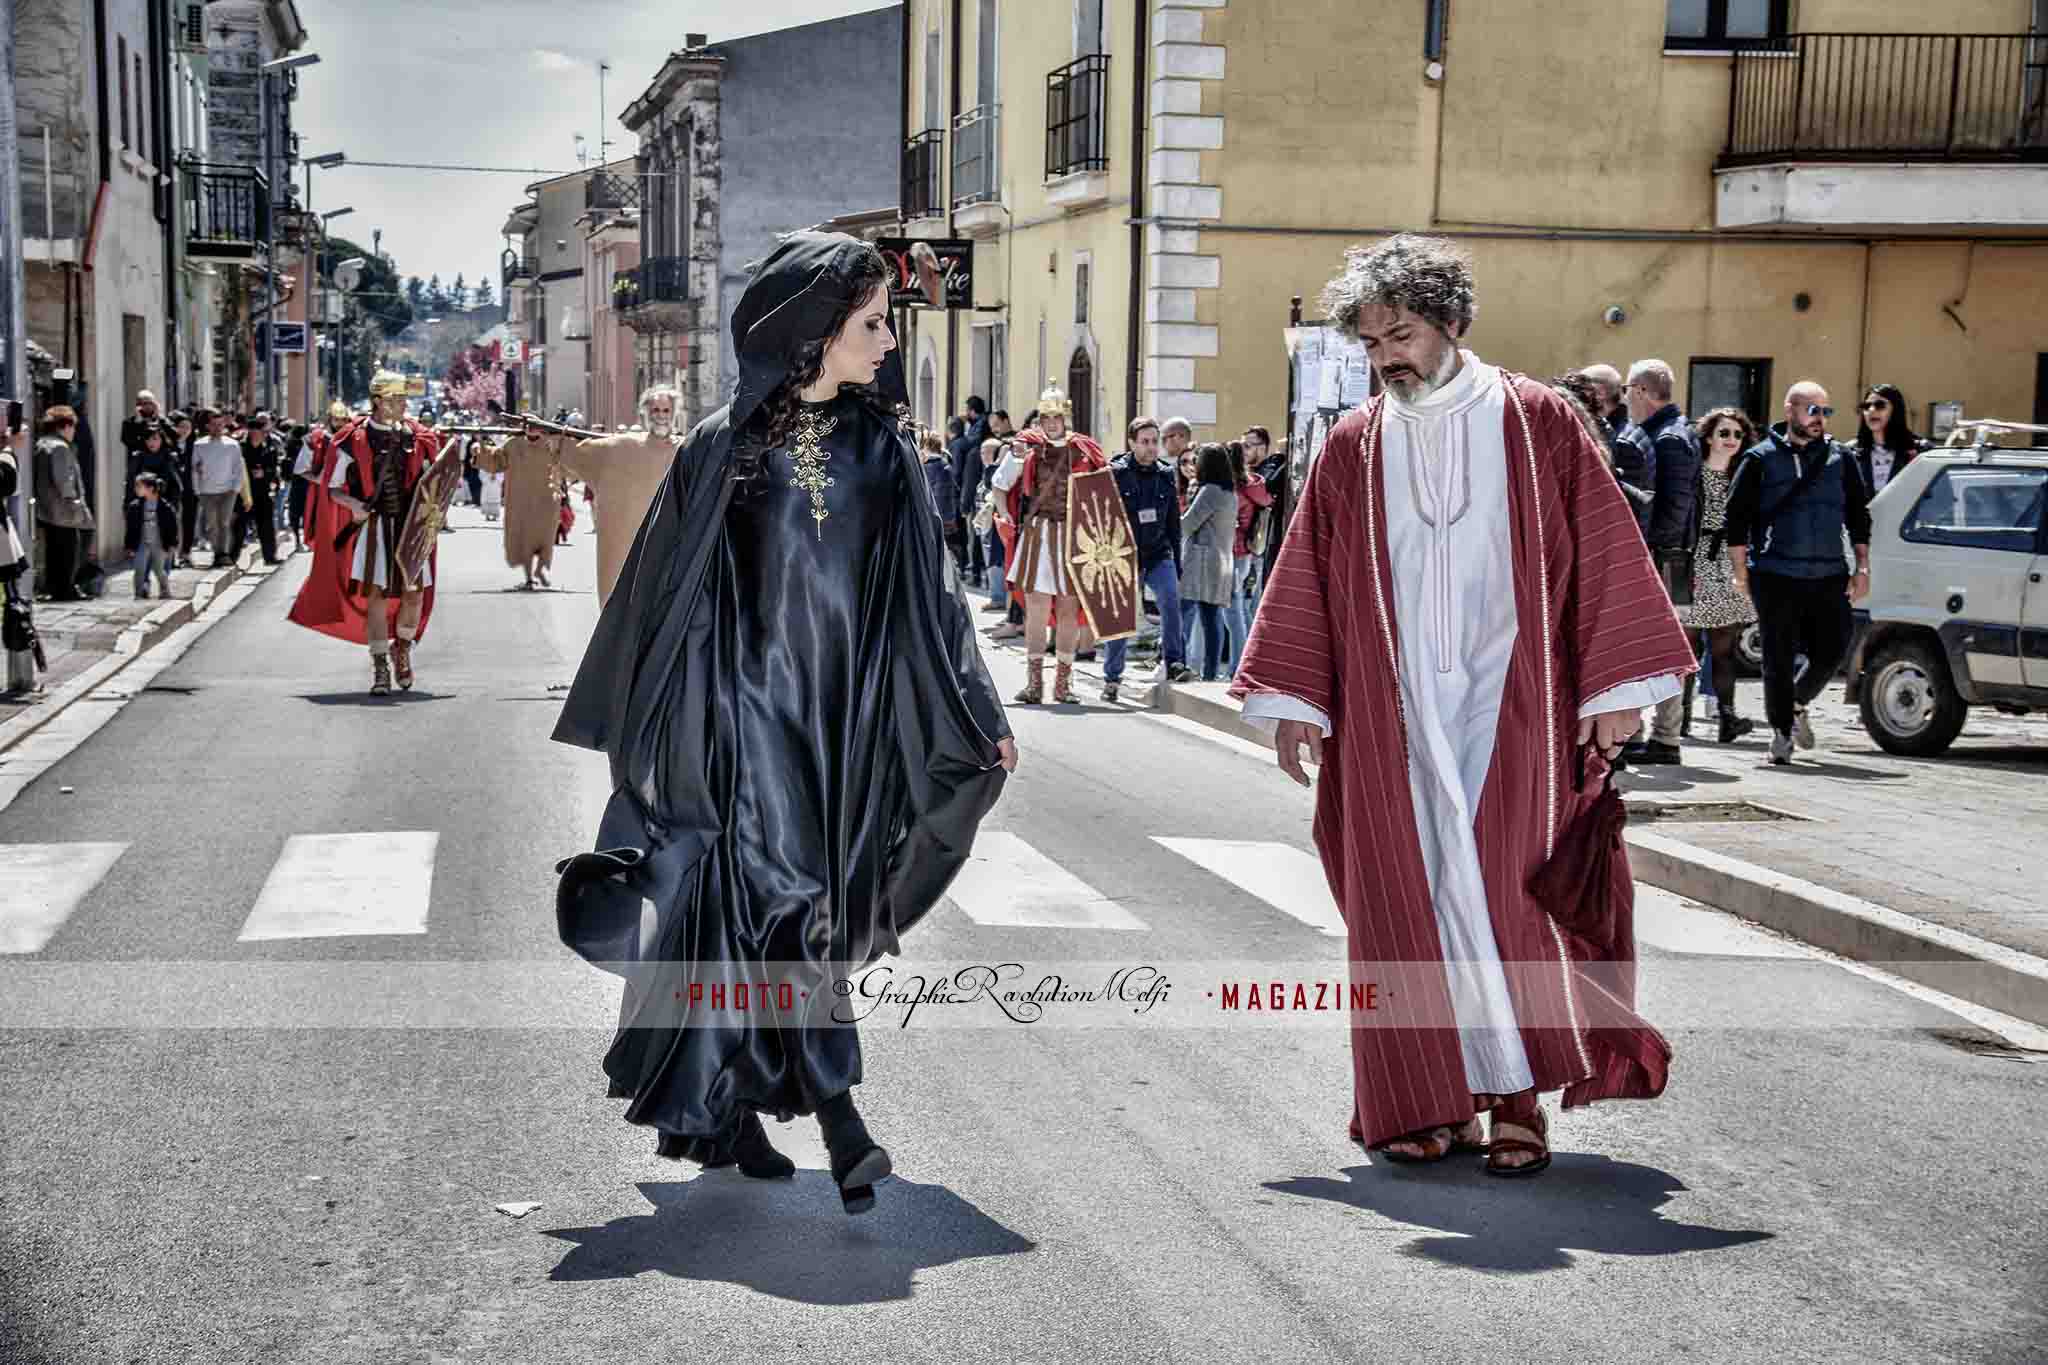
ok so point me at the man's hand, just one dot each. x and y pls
(1287, 742)
(1007, 747)
(1609, 730)
(1859, 585)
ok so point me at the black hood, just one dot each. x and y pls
(805, 283)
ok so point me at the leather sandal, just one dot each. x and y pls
(1453, 1139)
(1536, 1122)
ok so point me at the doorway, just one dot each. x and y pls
(1081, 392)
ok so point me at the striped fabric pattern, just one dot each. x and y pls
(1591, 615)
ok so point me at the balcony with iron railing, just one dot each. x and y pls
(977, 171)
(1886, 129)
(924, 168)
(1077, 132)
(654, 296)
(607, 191)
(227, 210)
(514, 268)
(1889, 97)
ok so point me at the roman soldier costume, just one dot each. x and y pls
(362, 589)
(1042, 566)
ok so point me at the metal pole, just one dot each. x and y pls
(268, 351)
(21, 672)
(309, 288)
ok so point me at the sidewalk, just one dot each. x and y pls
(82, 638)
(1932, 868)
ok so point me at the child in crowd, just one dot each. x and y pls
(152, 535)
(565, 522)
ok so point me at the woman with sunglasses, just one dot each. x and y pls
(1718, 609)
(1885, 440)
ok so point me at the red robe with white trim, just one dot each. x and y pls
(328, 601)
(1591, 614)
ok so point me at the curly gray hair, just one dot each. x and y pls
(1428, 276)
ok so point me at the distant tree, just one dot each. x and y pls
(458, 295)
(485, 297)
(415, 293)
(437, 297)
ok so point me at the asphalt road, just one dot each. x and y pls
(225, 1148)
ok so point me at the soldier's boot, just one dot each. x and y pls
(1034, 685)
(380, 675)
(1063, 683)
(401, 662)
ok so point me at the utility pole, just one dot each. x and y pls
(21, 671)
(267, 329)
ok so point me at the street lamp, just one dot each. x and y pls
(347, 275)
(325, 219)
(264, 74)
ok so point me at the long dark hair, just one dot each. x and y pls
(1212, 465)
(770, 427)
(1898, 431)
(1239, 477)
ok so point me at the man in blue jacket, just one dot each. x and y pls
(1795, 494)
(1151, 493)
(1665, 449)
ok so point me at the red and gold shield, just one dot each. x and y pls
(1102, 554)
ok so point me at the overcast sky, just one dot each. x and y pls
(503, 83)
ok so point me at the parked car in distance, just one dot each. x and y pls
(1958, 611)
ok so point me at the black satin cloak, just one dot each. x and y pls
(803, 741)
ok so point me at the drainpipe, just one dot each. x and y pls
(1134, 340)
(159, 149)
(946, 179)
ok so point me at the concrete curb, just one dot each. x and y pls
(1963, 965)
(129, 646)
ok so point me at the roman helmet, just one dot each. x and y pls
(1053, 403)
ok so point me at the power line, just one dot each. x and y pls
(444, 166)
(492, 170)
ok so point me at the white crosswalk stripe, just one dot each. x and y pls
(41, 884)
(1010, 884)
(1289, 879)
(339, 885)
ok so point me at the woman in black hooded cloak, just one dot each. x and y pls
(803, 738)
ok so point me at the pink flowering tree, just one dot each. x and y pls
(476, 376)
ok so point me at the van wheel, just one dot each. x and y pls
(1910, 705)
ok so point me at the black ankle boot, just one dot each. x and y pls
(755, 1155)
(1734, 727)
(857, 1161)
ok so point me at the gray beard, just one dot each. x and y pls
(1414, 391)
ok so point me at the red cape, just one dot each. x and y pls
(1591, 615)
(328, 602)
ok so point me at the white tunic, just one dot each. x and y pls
(1450, 547)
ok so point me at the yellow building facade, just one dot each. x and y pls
(1820, 198)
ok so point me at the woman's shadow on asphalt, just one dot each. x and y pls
(788, 1238)
(1582, 1203)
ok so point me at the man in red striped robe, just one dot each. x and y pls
(1462, 619)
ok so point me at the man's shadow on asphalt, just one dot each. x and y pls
(788, 1238)
(1582, 1203)
(413, 697)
